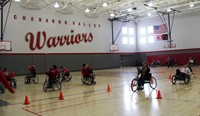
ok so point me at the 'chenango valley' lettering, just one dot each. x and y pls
(41, 39)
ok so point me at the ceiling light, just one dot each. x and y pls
(105, 4)
(17, 0)
(87, 10)
(169, 10)
(112, 15)
(56, 5)
(150, 4)
(130, 10)
(149, 14)
(191, 5)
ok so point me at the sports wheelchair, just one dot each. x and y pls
(65, 77)
(88, 80)
(31, 78)
(51, 84)
(179, 76)
(10, 78)
(134, 83)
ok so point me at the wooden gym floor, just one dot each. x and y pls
(83, 100)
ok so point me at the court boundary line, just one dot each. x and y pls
(31, 112)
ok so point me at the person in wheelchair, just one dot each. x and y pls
(144, 75)
(10, 77)
(89, 69)
(32, 70)
(86, 73)
(56, 71)
(52, 77)
(4, 82)
(183, 72)
(64, 71)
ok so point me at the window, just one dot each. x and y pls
(124, 31)
(151, 39)
(147, 35)
(143, 40)
(125, 40)
(128, 35)
(131, 31)
(142, 31)
(150, 29)
(131, 40)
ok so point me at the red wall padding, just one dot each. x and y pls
(180, 59)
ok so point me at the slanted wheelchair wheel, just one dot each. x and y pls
(35, 80)
(87, 81)
(58, 85)
(14, 84)
(67, 78)
(153, 83)
(174, 79)
(27, 79)
(94, 76)
(82, 80)
(45, 85)
(134, 85)
(187, 80)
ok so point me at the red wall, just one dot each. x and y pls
(180, 58)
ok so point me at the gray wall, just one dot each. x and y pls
(19, 63)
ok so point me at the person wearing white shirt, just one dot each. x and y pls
(186, 70)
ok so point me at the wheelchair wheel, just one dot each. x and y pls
(27, 79)
(174, 79)
(87, 81)
(45, 85)
(58, 85)
(187, 80)
(134, 85)
(14, 83)
(94, 76)
(153, 83)
(67, 78)
(35, 80)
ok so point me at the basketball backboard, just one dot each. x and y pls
(5, 45)
(114, 47)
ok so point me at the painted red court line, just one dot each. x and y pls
(75, 105)
(31, 112)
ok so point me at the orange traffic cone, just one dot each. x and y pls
(108, 88)
(170, 77)
(61, 96)
(159, 95)
(26, 102)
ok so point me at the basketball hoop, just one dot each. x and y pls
(170, 46)
(2, 47)
(5, 45)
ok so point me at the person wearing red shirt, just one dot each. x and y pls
(84, 71)
(5, 82)
(10, 77)
(86, 74)
(89, 69)
(52, 76)
(32, 69)
(64, 70)
(56, 71)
